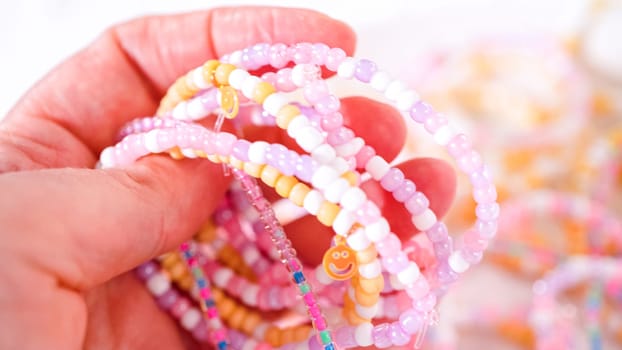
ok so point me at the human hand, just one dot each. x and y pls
(70, 233)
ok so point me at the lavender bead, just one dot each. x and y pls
(380, 335)
(445, 274)
(404, 191)
(344, 338)
(437, 233)
(470, 162)
(434, 122)
(472, 256)
(486, 229)
(314, 344)
(421, 111)
(396, 263)
(398, 336)
(277, 56)
(328, 104)
(305, 165)
(146, 270)
(417, 203)
(200, 332)
(365, 69)
(392, 180)
(487, 212)
(340, 136)
(334, 58)
(240, 150)
(483, 195)
(319, 53)
(303, 53)
(168, 299)
(411, 321)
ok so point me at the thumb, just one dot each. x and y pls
(86, 226)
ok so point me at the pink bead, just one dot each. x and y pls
(398, 336)
(458, 146)
(334, 58)
(474, 241)
(320, 324)
(364, 156)
(380, 335)
(392, 180)
(487, 212)
(319, 53)
(263, 346)
(209, 99)
(406, 190)
(277, 55)
(411, 321)
(344, 338)
(470, 162)
(205, 294)
(481, 178)
(487, 229)
(331, 121)
(314, 311)
(180, 307)
(434, 122)
(212, 312)
(391, 245)
(426, 303)
(315, 91)
(224, 143)
(309, 299)
(417, 203)
(340, 136)
(395, 263)
(485, 195)
(329, 104)
(367, 213)
(284, 80)
(270, 77)
(302, 53)
(419, 289)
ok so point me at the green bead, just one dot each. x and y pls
(325, 336)
(304, 288)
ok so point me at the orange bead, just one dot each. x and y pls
(236, 163)
(237, 317)
(270, 175)
(365, 299)
(221, 73)
(285, 115)
(209, 68)
(367, 255)
(327, 213)
(351, 177)
(186, 283)
(251, 322)
(272, 336)
(169, 260)
(287, 336)
(225, 307)
(354, 319)
(372, 286)
(176, 154)
(298, 193)
(178, 271)
(262, 90)
(284, 185)
(302, 333)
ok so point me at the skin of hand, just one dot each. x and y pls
(70, 234)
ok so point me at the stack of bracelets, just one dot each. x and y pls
(223, 285)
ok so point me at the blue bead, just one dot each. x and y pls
(209, 302)
(187, 254)
(222, 345)
(201, 283)
(329, 347)
(299, 277)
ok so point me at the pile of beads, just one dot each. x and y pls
(368, 267)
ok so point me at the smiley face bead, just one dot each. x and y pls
(339, 262)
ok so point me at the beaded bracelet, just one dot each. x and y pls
(107, 158)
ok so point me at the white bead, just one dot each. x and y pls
(190, 318)
(358, 240)
(107, 157)
(273, 103)
(371, 270)
(366, 312)
(188, 153)
(343, 222)
(409, 275)
(380, 80)
(406, 99)
(350, 148)
(309, 138)
(235, 58)
(312, 202)
(179, 112)
(347, 68)
(322, 276)
(197, 78)
(257, 152)
(222, 277)
(378, 230)
(444, 135)
(249, 295)
(323, 176)
(353, 199)
(195, 109)
(394, 89)
(250, 255)
(336, 189)
(323, 154)
(363, 334)
(300, 72)
(395, 283)
(457, 262)
(297, 124)
(425, 220)
(237, 77)
(377, 167)
(248, 86)
(151, 141)
(158, 284)
(340, 165)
